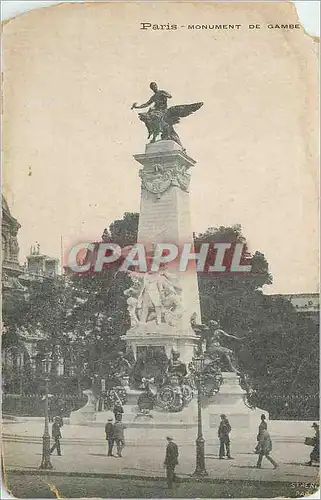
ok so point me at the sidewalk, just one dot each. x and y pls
(84, 452)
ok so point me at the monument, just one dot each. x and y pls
(166, 331)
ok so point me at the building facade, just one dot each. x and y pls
(11, 268)
(16, 279)
(306, 304)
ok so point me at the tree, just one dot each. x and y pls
(100, 317)
(272, 352)
(123, 231)
(85, 317)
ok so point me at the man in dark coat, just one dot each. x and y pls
(262, 427)
(119, 436)
(56, 434)
(315, 453)
(171, 460)
(109, 431)
(223, 434)
(265, 448)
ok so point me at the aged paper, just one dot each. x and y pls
(71, 74)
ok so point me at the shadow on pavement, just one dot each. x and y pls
(101, 455)
(247, 467)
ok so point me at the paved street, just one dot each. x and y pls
(84, 451)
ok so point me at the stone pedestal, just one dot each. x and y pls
(169, 338)
(87, 413)
(165, 218)
(155, 426)
(230, 401)
(156, 420)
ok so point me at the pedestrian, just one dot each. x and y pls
(262, 427)
(224, 437)
(119, 436)
(315, 453)
(56, 435)
(265, 448)
(109, 431)
(118, 411)
(171, 460)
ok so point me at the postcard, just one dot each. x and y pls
(160, 324)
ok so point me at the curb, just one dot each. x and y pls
(187, 479)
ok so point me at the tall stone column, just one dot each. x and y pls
(165, 218)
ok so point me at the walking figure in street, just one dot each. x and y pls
(56, 435)
(170, 462)
(265, 448)
(224, 437)
(262, 427)
(119, 436)
(315, 453)
(109, 431)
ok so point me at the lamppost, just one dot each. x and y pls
(20, 365)
(200, 471)
(45, 462)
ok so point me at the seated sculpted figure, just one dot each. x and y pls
(176, 367)
(132, 293)
(214, 346)
(212, 335)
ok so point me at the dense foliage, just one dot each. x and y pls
(84, 317)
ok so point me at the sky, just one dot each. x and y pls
(71, 172)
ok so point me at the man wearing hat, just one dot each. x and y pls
(224, 437)
(109, 431)
(119, 436)
(315, 453)
(265, 448)
(56, 434)
(262, 427)
(171, 460)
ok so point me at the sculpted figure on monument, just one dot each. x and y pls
(214, 347)
(159, 119)
(150, 297)
(175, 366)
(153, 296)
(171, 302)
(176, 390)
(158, 180)
(132, 293)
(212, 336)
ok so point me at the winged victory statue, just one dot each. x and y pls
(160, 119)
